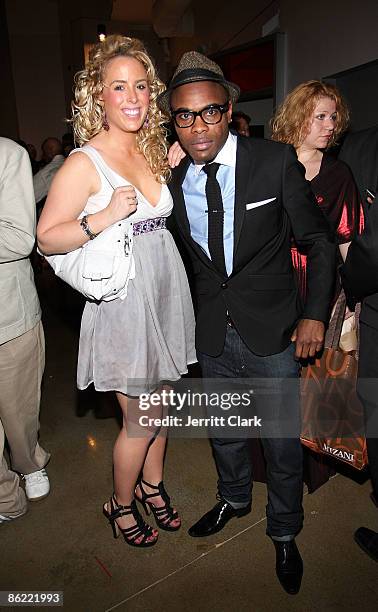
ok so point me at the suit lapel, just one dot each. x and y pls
(243, 172)
(175, 186)
(179, 209)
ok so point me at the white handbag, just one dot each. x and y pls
(101, 268)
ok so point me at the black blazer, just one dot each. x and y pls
(360, 271)
(261, 294)
(360, 152)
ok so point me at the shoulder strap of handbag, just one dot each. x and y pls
(334, 328)
(99, 163)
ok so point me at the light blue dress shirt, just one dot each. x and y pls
(196, 203)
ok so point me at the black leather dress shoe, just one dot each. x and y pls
(214, 520)
(289, 566)
(367, 539)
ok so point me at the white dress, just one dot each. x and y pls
(132, 345)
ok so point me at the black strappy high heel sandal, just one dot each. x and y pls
(130, 534)
(164, 515)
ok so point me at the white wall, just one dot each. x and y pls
(34, 40)
(325, 37)
(221, 25)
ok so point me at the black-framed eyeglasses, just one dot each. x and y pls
(211, 115)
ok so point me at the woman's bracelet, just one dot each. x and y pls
(85, 227)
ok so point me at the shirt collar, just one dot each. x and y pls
(226, 156)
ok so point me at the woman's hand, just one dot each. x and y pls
(175, 154)
(122, 204)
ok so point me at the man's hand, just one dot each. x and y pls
(308, 337)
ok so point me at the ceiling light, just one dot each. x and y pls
(101, 32)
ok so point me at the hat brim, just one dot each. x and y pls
(193, 76)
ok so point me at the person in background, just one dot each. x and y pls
(126, 345)
(240, 122)
(360, 153)
(312, 118)
(53, 156)
(22, 346)
(33, 158)
(32, 155)
(360, 280)
(68, 143)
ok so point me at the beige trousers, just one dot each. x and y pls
(22, 362)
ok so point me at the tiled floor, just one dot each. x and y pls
(64, 542)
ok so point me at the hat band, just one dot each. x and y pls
(190, 75)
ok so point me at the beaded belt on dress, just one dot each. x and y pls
(149, 225)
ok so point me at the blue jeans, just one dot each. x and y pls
(276, 401)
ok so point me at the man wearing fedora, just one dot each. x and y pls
(237, 202)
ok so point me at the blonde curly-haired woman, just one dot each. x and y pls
(128, 346)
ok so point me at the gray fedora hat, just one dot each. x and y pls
(194, 67)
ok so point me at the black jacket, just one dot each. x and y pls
(360, 271)
(360, 152)
(261, 294)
